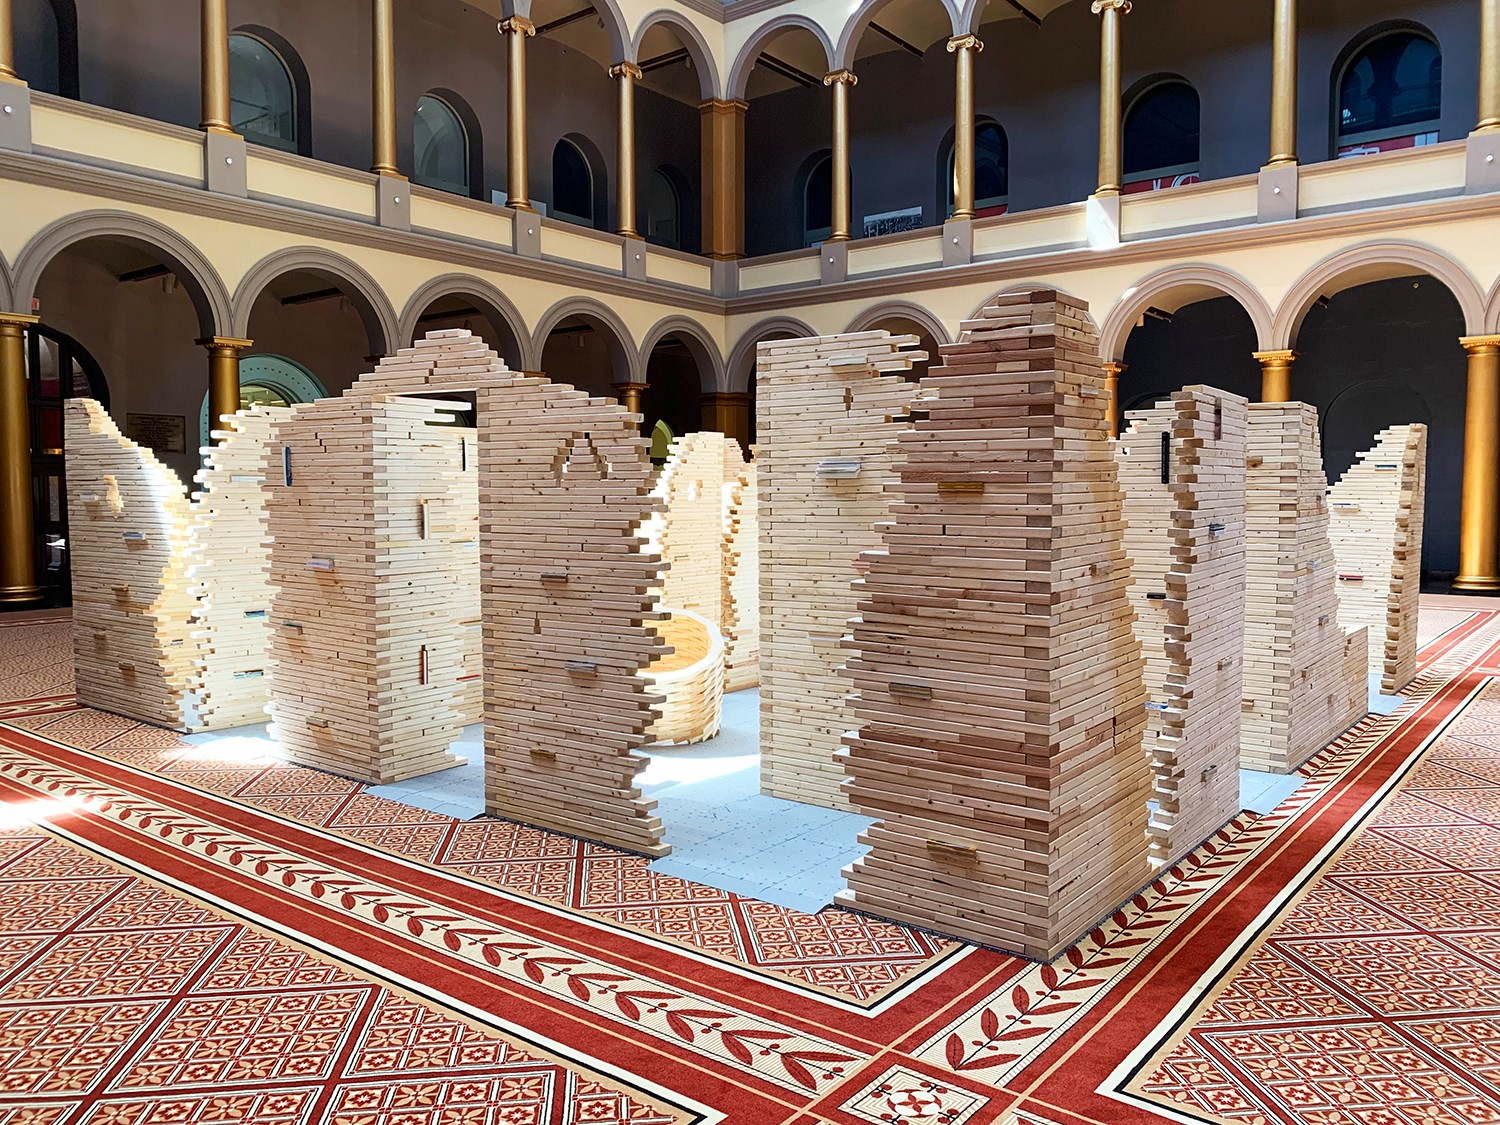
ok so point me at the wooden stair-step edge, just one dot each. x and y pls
(828, 412)
(1300, 685)
(135, 644)
(998, 685)
(1376, 517)
(1185, 534)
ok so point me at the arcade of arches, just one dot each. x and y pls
(210, 204)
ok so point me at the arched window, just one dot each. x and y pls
(572, 184)
(269, 380)
(991, 171)
(1161, 137)
(817, 201)
(664, 208)
(1389, 94)
(46, 45)
(262, 104)
(440, 147)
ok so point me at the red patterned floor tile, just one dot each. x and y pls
(64, 1048)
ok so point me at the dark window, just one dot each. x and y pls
(1391, 87)
(991, 171)
(817, 201)
(262, 106)
(572, 184)
(1161, 132)
(440, 147)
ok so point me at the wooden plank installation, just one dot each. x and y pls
(229, 561)
(1303, 684)
(1376, 512)
(998, 686)
(566, 589)
(1182, 468)
(134, 642)
(688, 529)
(740, 623)
(463, 464)
(689, 680)
(827, 410)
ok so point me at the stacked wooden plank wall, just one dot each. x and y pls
(741, 620)
(688, 528)
(134, 642)
(1195, 597)
(230, 558)
(999, 690)
(463, 464)
(1376, 527)
(827, 410)
(1305, 683)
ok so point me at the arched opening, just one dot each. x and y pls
(662, 438)
(1210, 340)
(662, 214)
(46, 45)
(579, 194)
(788, 126)
(676, 76)
(742, 373)
(262, 93)
(991, 171)
(898, 324)
(476, 314)
(817, 198)
(1380, 354)
(676, 368)
(443, 155)
(584, 350)
(268, 380)
(1161, 136)
(1388, 93)
(319, 319)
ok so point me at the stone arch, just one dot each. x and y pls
(495, 305)
(1376, 261)
(699, 343)
(197, 274)
(1029, 287)
(742, 359)
(369, 299)
(857, 24)
(739, 73)
(1170, 289)
(1492, 311)
(588, 307)
(692, 40)
(907, 310)
(7, 287)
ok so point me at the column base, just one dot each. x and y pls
(1477, 583)
(19, 595)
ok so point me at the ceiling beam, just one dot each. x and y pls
(896, 39)
(787, 70)
(563, 21)
(1035, 19)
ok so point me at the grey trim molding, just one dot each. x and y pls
(741, 364)
(744, 63)
(363, 290)
(493, 304)
(7, 288)
(699, 343)
(692, 41)
(872, 316)
(201, 281)
(1189, 281)
(596, 310)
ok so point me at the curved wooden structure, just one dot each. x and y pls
(690, 680)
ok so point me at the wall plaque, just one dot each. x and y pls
(161, 433)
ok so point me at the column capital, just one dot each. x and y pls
(224, 343)
(1274, 358)
(1099, 7)
(970, 42)
(1111, 367)
(625, 69)
(723, 105)
(1479, 343)
(844, 77)
(18, 321)
(516, 25)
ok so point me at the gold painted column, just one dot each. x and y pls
(1489, 66)
(723, 173)
(223, 376)
(1112, 373)
(630, 395)
(1276, 375)
(516, 29)
(963, 48)
(1109, 12)
(215, 67)
(383, 91)
(7, 44)
(1478, 544)
(1284, 83)
(17, 526)
(628, 74)
(841, 81)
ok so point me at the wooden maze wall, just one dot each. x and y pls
(1305, 676)
(1376, 528)
(230, 557)
(998, 686)
(741, 618)
(1185, 517)
(134, 641)
(826, 419)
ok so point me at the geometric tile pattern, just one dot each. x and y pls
(1377, 996)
